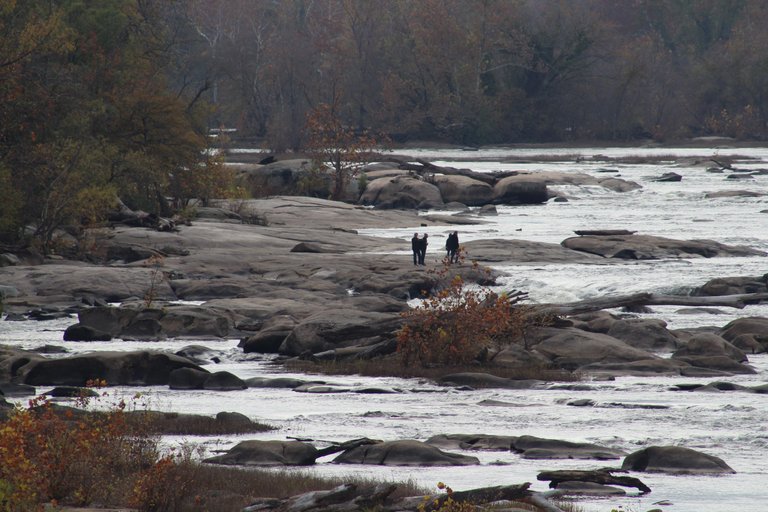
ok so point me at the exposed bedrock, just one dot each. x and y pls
(136, 368)
(646, 247)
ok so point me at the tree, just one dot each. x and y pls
(87, 115)
(331, 143)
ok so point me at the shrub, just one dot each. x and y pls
(456, 324)
(63, 455)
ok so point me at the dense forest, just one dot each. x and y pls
(102, 99)
(489, 71)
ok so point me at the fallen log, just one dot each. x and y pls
(738, 301)
(423, 167)
(486, 495)
(338, 447)
(489, 494)
(597, 476)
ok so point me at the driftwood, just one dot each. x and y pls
(351, 498)
(598, 476)
(336, 447)
(489, 494)
(723, 165)
(422, 167)
(738, 301)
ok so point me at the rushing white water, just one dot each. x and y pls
(729, 425)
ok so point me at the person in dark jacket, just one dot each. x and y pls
(422, 248)
(452, 247)
(415, 243)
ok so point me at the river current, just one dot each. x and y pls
(629, 413)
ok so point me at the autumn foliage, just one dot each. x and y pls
(337, 146)
(457, 323)
(69, 455)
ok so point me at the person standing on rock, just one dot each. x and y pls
(422, 248)
(415, 244)
(452, 247)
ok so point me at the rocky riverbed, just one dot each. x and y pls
(292, 277)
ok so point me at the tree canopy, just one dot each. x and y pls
(87, 114)
(491, 71)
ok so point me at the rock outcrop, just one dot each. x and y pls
(675, 460)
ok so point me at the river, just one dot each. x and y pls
(728, 425)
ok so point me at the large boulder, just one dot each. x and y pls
(272, 334)
(401, 192)
(618, 185)
(464, 190)
(532, 447)
(224, 381)
(516, 190)
(676, 460)
(403, 453)
(79, 332)
(733, 286)
(720, 363)
(754, 327)
(572, 348)
(137, 368)
(187, 378)
(335, 328)
(709, 344)
(267, 453)
(643, 333)
(646, 247)
(137, 322)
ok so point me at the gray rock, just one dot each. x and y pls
(708, 344)
(199, 354)
(400, 192)
(187, 378)
(719, 363)
(270, 337)
(532, 447)
(278, 382)
(267, 453)
(732, 286)
(80, 332)
(223, 381)
(572, 348)
(8, 259)
(486, 380)
(645, 247)
(336, 328)
(619, 185)
(403, 453)
(515, 190)
(472, 442)
(675, 460)
(137, 368)
(647, 334)
(463, 189)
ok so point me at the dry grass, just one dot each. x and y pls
(227, 489)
